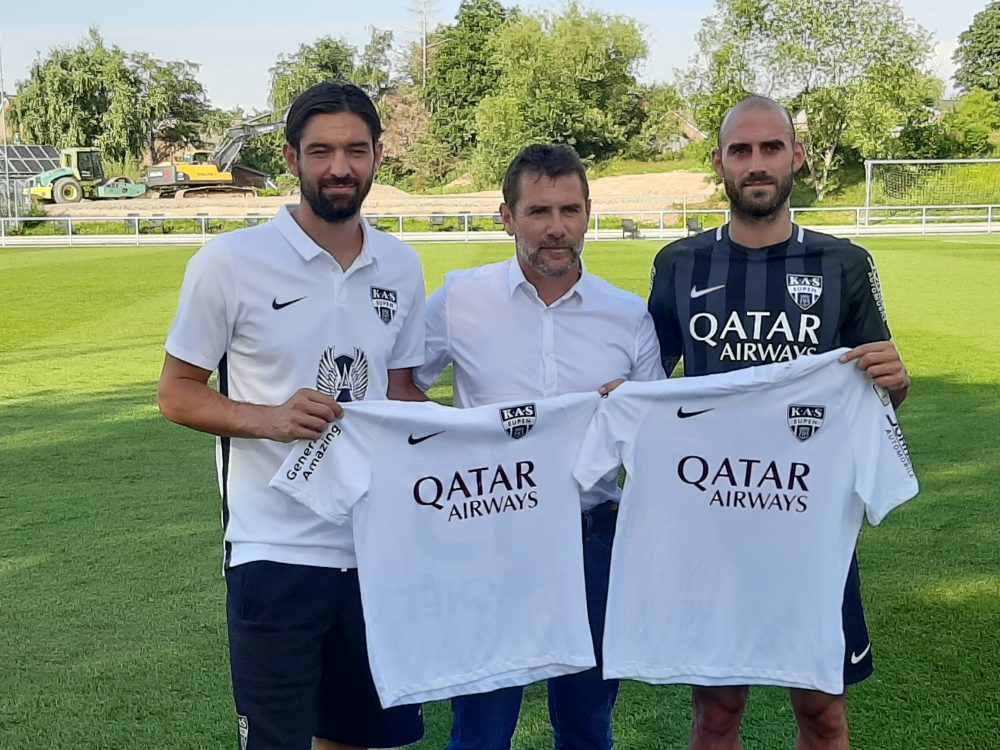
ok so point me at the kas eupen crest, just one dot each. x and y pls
(385, 302)
(518, 420)
(804, 289)
(805, 421)
(345, 378)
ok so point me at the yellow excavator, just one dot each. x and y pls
(205, 172)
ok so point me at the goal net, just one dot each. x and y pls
(932, 182)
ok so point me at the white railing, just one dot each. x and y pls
(157, 229)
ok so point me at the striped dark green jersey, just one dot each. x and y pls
(720, 306)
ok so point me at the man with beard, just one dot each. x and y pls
(757, 290)
(309, 310)
(535, 326)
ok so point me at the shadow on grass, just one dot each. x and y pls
(112, 603)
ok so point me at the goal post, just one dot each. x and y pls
(930, 182)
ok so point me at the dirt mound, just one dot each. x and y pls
(643, 192)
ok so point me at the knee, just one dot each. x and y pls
(821, 715)
(718, 711)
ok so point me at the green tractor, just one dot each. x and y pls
(80, 175)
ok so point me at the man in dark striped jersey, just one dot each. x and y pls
(759, 290)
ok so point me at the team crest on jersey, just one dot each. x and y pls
(518, 420)
(804, 289)
(343, 377)
(385, 302)
(805, 421)
(244, 728)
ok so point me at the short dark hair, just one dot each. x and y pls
(330, 97)
(549, 159)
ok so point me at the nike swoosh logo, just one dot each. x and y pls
(685, 414)
(417, 440)
(278, 305)
(855, 658)
(696, 292)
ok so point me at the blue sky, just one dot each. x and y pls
(236, 42)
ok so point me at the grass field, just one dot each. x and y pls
(111, 601)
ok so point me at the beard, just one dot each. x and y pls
(336, 209)
(532, 255)
(743, 202)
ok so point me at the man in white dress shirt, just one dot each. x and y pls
(535, 326)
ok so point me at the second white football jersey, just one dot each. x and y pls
(745, 495)
(468, 538)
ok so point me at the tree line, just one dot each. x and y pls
(498, 77)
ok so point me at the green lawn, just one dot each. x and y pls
(111, 600)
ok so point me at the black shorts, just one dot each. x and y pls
(858, 663)
(299, 661)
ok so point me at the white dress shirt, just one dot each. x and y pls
(506, 344)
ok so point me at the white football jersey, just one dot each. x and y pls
(745, 495)
(468, 539)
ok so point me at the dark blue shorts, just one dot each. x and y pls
(858, 663)
(300, 661)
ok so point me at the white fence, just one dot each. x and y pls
(157, 229)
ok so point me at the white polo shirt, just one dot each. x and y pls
(745, 496)
(273, 312)
(506, 344)
(467, 524)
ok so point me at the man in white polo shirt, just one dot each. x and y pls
(309, 310)
(535, 326)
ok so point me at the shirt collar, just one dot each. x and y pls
(515, 279)
(308, 249)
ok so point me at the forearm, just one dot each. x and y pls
(193, 404)
(402, 388)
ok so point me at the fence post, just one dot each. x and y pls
(69, 229)
(923, 220)
(3, 232)
(661, 225)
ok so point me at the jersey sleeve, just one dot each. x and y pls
(884, 476)
(866, 319)
(408, 349)
(663, 310)
(437, 350)
(611, 428)
(647, 364)
(331, 474)
(203, 326)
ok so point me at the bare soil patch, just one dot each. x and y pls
(645, 192)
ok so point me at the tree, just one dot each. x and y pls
(374, 64)
(568, 78)
(324, 60)
(978, 52)
(462, 72)
(82, 96)
(406, 124)
(120, 102)
(971, 123)
(662, 109)
(173, 104)
(835, 61)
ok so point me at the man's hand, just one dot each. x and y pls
(605, 389)
(305, 415)
(880, 360)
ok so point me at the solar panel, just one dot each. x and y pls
(21, 160)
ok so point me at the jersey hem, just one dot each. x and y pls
(317, 557)
(532, 670)
(704, 677)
